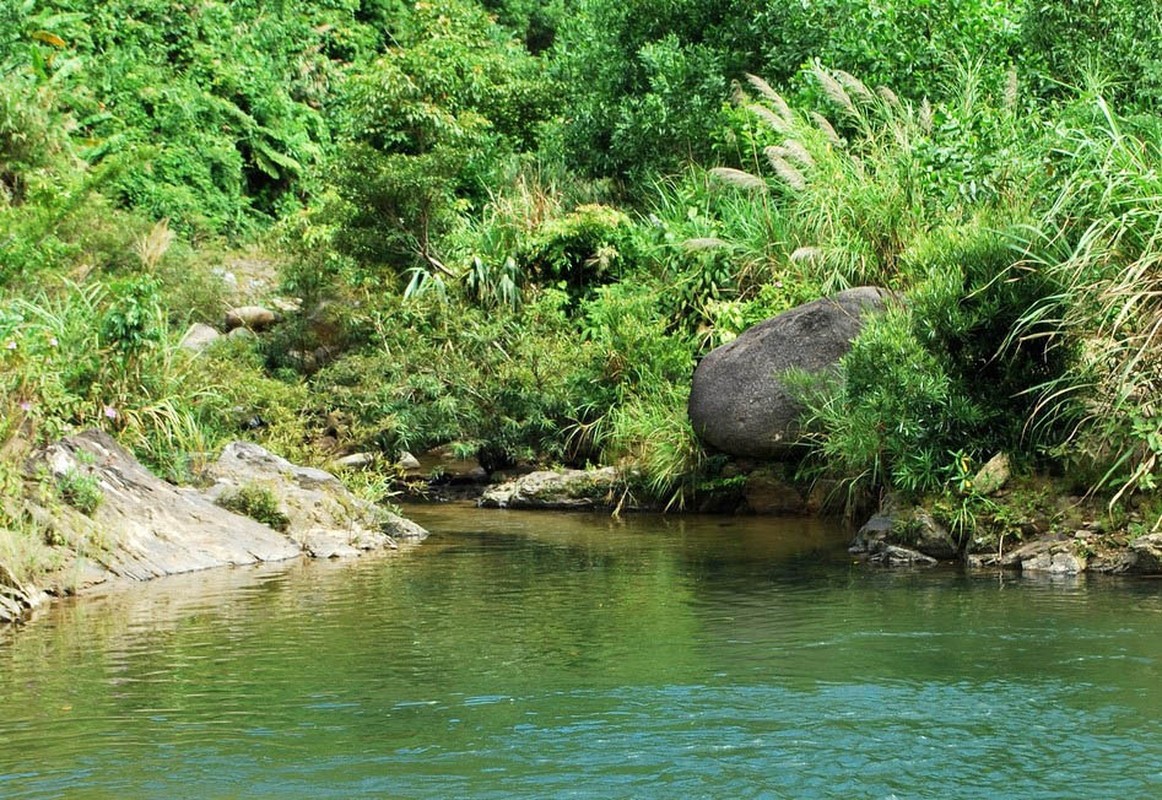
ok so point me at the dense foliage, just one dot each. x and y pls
(515, 226)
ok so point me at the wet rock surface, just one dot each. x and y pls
(563, 490)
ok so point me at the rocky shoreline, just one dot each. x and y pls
(121, 523)
(145, 528)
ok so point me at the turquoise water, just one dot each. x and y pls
(525, 655)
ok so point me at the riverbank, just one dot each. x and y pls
(112, 520)
(143, 528)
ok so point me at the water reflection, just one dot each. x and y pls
(546, 655)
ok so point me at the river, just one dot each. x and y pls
(523, 655)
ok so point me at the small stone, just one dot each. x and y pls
(198, 337)
(256, 318)
(354, 461)
(407, 461)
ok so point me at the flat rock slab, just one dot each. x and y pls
(149, 528)
(325, 518)
(570, 489)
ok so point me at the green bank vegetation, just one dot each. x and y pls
(515, 226)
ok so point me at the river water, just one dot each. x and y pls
(543, 656)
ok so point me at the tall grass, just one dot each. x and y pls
(1101, 239)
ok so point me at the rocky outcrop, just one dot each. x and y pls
(321, 514)
(1141, 556)
(739, 403)
(570, 489)
(144, 527)
(1054, 557)
(911, 529)
(129, 524)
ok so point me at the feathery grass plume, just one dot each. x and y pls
(855, 86)
(764, 88)
(1011, 88)
(776, 123)
(833, 88)
(790, 176)
(797, 151)
(807, 254)
(822, 124)
(152, 247)
(736, 177)
(704, 243)
(925, 116)
(738, 97)
(888, 96)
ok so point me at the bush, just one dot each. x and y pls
(257, 502)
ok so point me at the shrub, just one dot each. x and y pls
(80, 490)
(257, 502)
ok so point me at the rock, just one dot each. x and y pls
(146, 527)
(16, 599)
(321, 514)
(891, 555)
(911, 528)
(930, 537)
(738, 401)
(198, 337)
(442, 464)
(256, 318)
(827, 497)
(1046, 555)
(992, 476)
(872, 533)
(354, 461)
(567, 489)
(241, 333)
(768, 492)
(407, 461)
(1142, 557)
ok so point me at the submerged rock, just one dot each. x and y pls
(739, 402)
(565, 489)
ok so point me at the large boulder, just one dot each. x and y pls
(739, 403)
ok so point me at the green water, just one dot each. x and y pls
(523, 655)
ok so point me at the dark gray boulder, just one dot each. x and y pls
(738, 401)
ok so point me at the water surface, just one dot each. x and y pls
(539, 655)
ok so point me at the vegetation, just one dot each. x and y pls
(512, 228)
(257, 502)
